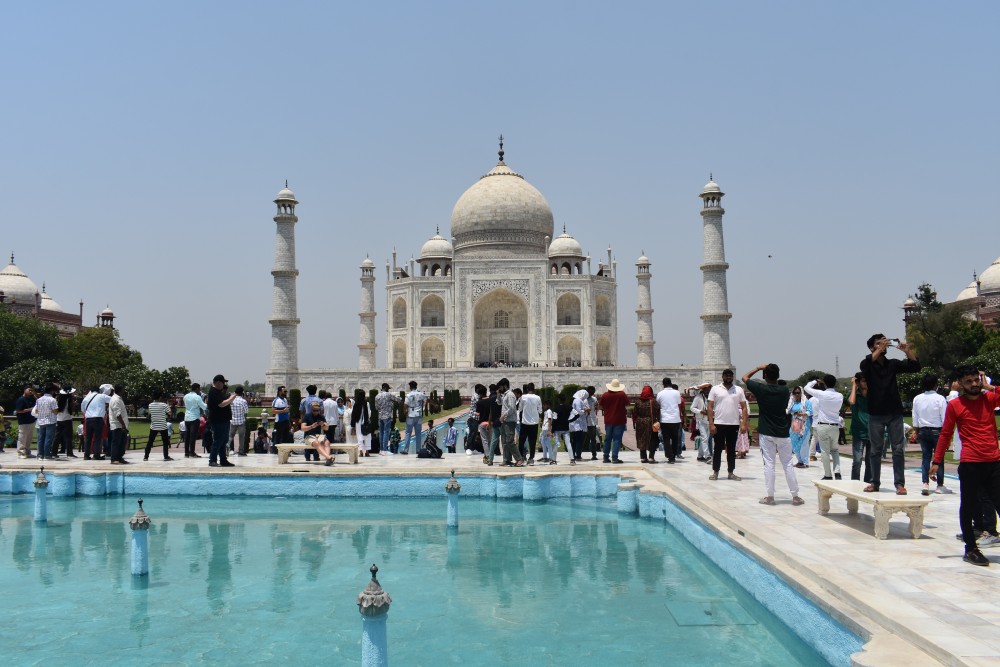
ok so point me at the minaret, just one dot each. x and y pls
(644, 315)
(366, 339)
(284, 367)
(715, 313)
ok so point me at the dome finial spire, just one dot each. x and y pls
(286, 182)
(437, 229)
(710, 176)
(564, 228)
(11, 256)
(501, 148)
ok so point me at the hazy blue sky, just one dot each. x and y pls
(143, 145)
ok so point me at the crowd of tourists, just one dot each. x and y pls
(796, 425)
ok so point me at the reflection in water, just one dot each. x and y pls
(22, 544)
(312, 551)
(220, 571)
(194, 547)
(281, 572)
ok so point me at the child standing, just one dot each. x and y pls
(547, 416)
(451, 437)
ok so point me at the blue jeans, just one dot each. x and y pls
(877, 425)
(220, 442)
(613, 440)
(412, 425)
(46, 435)
(928, 438)
(384, 431)
(861, 450)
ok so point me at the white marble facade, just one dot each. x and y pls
(501, 290)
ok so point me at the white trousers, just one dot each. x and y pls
(780, 448)
(828, 448)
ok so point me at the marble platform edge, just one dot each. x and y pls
(887, 641)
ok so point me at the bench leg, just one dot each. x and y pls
(823, 496)
(283, 456)
(882, 515)
(852, 506)
(916, 515)
(353, 456)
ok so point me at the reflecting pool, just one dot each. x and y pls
(247, 581)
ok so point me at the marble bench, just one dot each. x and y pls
(885, 505)
(286, 449)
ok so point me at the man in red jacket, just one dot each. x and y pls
(614, 404)
(979, 468)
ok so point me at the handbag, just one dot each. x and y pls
(655, 421)
(743, 442)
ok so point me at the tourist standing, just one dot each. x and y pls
(614, 403)
(885, 409)
(64, 423)
(562, 415)
(699, 412)
(361, 421)
(861, 447)
(508, 422)
(220, 416)
(25, 422)
(645, 413)
(669, 400)
(495, 423)
(384, 404)
(800, 410)
(829, 401)
(727, 418)
(238, 438)
(194, 408)
(46, 408)
(158, 425)
(578, 426)
(282, 418)
(773, 427)
(95, 413)
(531, 416)
(414, 402)
(451, 436)
(592, 423)
(928, 418)
(330, 414)
(979, 468)
(118, 425)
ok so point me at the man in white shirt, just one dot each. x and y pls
(95, 412)
(669, 400)
(928, 418)
(699, 411)
(827, 421)
(727, 418)
(118, 426)
(331, 415)
(592, 422)
(414, 418)
(531, 413)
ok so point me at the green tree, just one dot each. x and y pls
(37, 371)
(24, 338)
(941, 336)
(94, 353)
(806, 377)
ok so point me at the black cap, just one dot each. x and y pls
(220, 378)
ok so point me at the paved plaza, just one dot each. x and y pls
(917, 599)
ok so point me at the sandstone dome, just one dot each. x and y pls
(501, 215)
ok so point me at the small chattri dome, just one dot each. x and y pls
(909, 303)
(565, 245)
(286, 195)
(711, 187)
(643, 260)
(48, 303)
(437, 246)
(368, 263)
(107, 312)
(16, 286)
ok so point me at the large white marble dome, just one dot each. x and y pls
(501, 215)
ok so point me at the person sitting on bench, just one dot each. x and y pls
(314, 427)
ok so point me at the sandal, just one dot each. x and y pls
(798, 501)
(714, 476)
(519, 464)
(643, 460)
(871, 488)
(766, 500)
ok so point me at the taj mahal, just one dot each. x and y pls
(500, 291)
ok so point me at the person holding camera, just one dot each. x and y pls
(885, 408)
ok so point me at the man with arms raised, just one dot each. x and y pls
(979, 469)
(774, 425)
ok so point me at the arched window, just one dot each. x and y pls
(568, 310)
(501, 353)
(399, 314)
(501, 319)
(399, 353)
(432, 311)
(603, 311)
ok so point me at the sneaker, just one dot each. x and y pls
(736, 478)
(812, 457)
(617, 461)
(987, 541)
(837, 476)
(943, 489)
(227, 464)
(607, 460)
(767, 500)
(714, 476)
(900, 490)
(976, 557)
(572, 462)
(926, 491)
(977, 533)
(798, 501)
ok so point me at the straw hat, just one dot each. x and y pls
(615, 385)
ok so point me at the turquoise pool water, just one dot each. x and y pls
(247, 581)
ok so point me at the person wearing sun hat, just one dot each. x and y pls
(614, 403)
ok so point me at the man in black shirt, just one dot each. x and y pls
(885, 408)
(219, 417)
